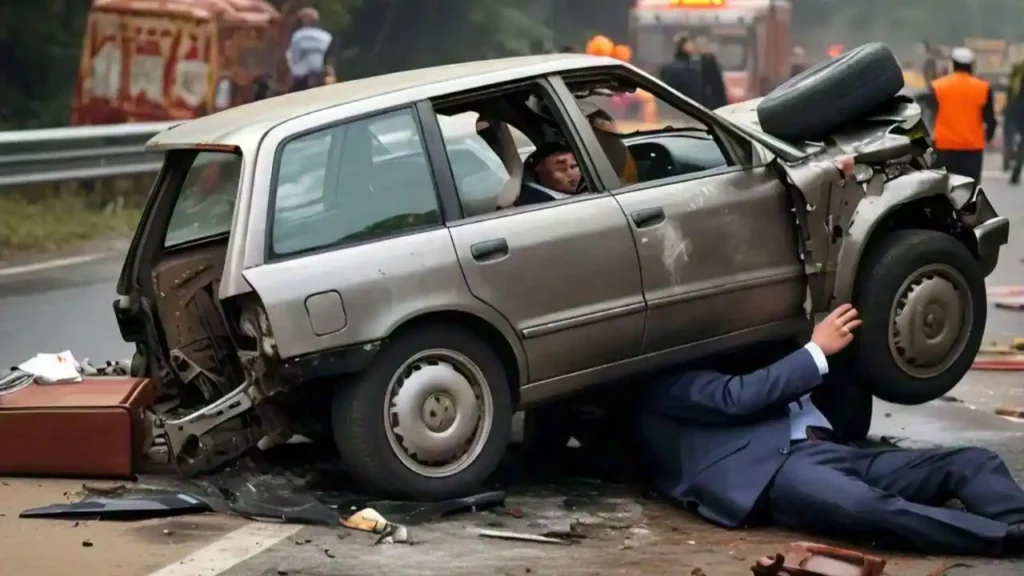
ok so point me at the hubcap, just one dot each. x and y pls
(930, 320)
(438, 413)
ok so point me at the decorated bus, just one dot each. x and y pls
(158, 60)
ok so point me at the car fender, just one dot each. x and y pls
(875, 206)
(481, 312)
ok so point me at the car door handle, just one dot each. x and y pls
(489, 249)
(648, 217)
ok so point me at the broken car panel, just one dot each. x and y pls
(291, 274)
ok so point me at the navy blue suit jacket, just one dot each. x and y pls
(717, 440)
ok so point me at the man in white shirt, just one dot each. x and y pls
(735, 448)
(307, 51)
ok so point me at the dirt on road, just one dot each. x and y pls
(57, 547)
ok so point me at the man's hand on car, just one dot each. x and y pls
(835, 332)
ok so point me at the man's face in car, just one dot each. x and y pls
(559, 172)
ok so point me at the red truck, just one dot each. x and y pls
(751, 38)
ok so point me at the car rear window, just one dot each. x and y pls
(206, 203)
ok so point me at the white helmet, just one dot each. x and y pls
(962, 55)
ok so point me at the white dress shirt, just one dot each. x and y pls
(307, 51)
(803, 412)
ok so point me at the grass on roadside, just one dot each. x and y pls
(56, 219)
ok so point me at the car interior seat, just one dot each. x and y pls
(508, 152)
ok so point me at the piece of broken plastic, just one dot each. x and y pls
(123, 509)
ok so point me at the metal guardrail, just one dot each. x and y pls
(77, 153)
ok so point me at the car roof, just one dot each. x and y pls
(246, 124)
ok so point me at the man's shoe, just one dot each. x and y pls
(1013, 543)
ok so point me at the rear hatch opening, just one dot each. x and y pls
(179, 264)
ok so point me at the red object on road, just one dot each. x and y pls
(94, 428)
(1005, 363)
(1006, 291)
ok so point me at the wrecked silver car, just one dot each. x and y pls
(339, 263)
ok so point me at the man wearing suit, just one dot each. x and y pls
(740, 449)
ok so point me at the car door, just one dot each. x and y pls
(716, 241)
(565, 275)
(718, 254)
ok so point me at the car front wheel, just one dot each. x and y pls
(429, 420)
(921, 295)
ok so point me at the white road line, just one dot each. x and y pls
(230, 550)
(49, 264)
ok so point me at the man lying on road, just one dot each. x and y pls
(747, 448)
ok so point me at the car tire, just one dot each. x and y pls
(921, 295)
(831, 93)
(426, 387)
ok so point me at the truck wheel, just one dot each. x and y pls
(430, 419)
(831, 93)
(922, 297)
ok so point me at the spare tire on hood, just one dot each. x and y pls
(831, 93)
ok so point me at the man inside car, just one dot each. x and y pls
(556, 174)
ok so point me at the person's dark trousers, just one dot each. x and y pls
(895, 497)
(963, 162)
(308, 81)
(1010, 145)
(1017, 147)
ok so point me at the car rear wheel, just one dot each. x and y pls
(429, 420)
(921, 295)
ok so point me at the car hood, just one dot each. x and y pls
(742, 113)
(872, 135)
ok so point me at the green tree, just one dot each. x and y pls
(40, 44)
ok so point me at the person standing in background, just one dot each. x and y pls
(712, 80)
(797, 61)
(307, 51)
(1013, 124)
(965, 119)
(685, 73)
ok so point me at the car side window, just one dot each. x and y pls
(645, 138)
(510, 149)
(351, 183)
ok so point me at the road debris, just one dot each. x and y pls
(1005, 363)
(122, 509)
(369, 520)
(809, 559)
(523, 537)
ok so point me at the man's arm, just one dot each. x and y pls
(989, 115)
(714, 398)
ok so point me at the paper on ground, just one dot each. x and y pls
(53, 368)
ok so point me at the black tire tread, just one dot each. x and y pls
(831, 93)
(882, 271)
(359, 433)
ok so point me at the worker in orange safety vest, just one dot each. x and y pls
(965, 119)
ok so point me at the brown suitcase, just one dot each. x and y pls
(95, 428)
